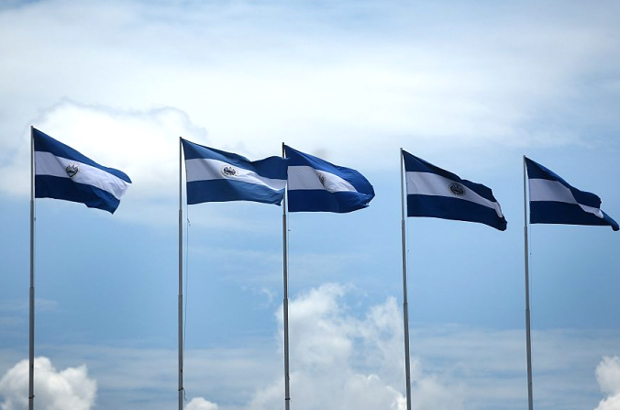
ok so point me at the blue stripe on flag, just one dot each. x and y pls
(560, 213)
(47, 186)
(323, 201)
(416, 164)
(222, 190)
(453, 209)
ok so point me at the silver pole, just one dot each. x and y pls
(405, 305)
(287, 390)
(528, 338)
(180, 275)
(31, 328)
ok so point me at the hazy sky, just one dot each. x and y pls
(470, 86)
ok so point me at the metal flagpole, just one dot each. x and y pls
(180, 275)
(405, 305)
(528, 338)
(287, 390)
(31, 329)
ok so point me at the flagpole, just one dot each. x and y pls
(287, 391)
(405, 305)
(180, 319)
(31, 327)
(528, 338)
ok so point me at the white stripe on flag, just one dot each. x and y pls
(204, 169)
(427, 183)
(47, 163)
(555, 191)
(303, 177)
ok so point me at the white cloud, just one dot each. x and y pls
(199, 403)
(54, 390)
(608, 376)
(328, 372)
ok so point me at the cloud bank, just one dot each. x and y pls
(54, 390)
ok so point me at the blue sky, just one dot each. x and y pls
(470, 86)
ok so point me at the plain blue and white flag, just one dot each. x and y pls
(315, 185)
(555, 201)
(63, 173)
(437, 193)
(219, 176)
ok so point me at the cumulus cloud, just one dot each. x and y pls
(54, 390)
(340, 361)
(199, 403)
(608, 376)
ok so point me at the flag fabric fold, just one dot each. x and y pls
(218, 176)
(315, 185)
(61, 172)
(434, 192)
(555, 201)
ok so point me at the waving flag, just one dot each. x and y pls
(63, 173)
(434, 192)
(219, 176)
(315, 185)
(555, 201)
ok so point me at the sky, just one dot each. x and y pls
(470, 86)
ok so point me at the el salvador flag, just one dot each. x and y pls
(434, 192)
(315, 185)
(219, 176)
(63, 173)
(555, 201)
